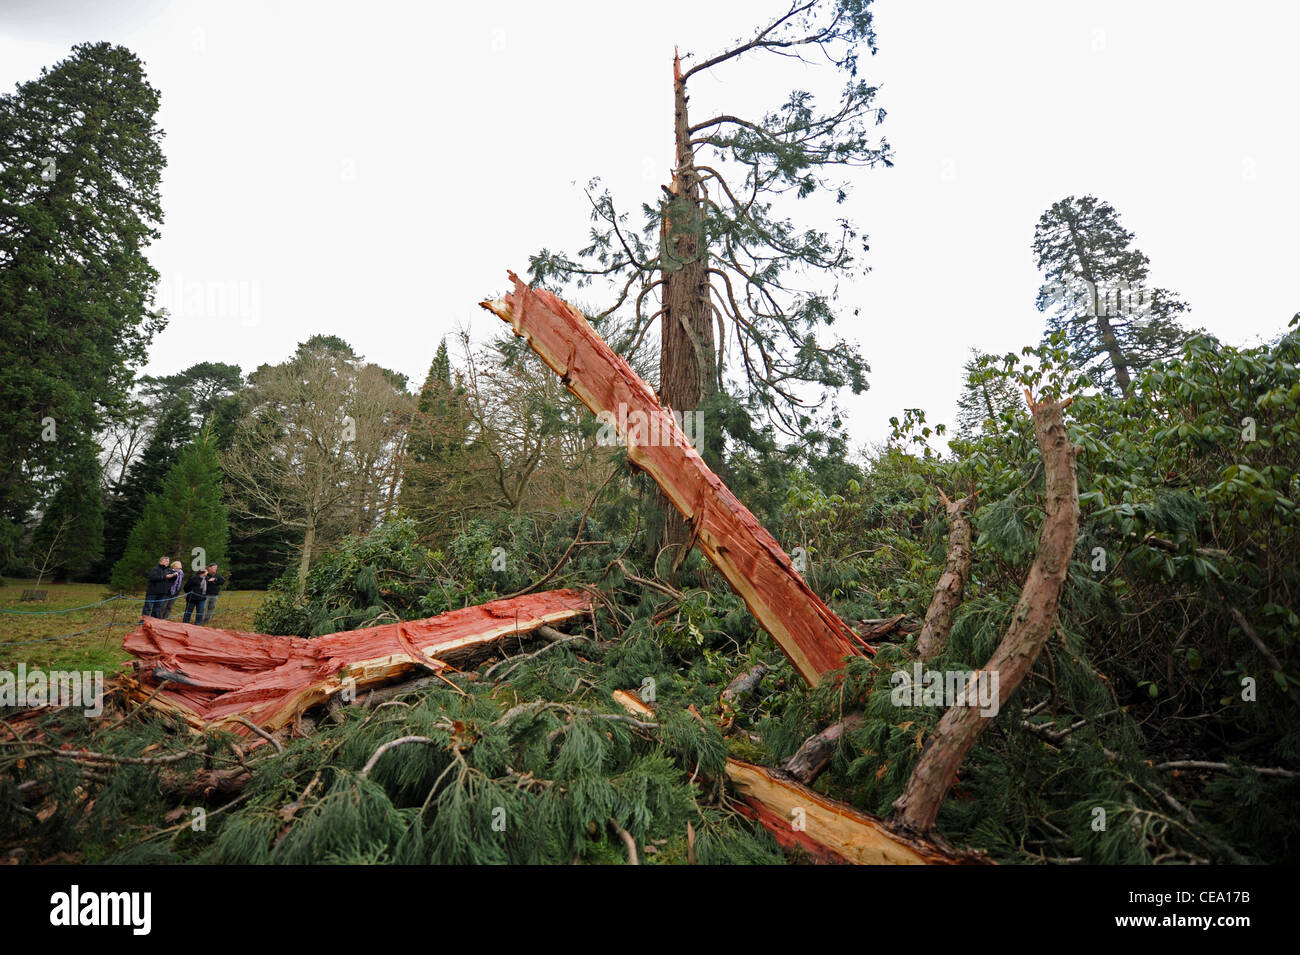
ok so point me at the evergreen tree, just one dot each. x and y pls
(70, 537)
(202, 397)
(80, 163)
(1098, 294)
(435, 444)
(185, 514)
(721, 253)
(986, 394)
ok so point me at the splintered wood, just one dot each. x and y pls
(808, 631)
(223, 677)
(828, 831)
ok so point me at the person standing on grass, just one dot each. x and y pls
(174, 591)
(157, 588)
(196, 592)
(215, 580)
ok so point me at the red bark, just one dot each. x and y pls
(812, 636)
(218, 675)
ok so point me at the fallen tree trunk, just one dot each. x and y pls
(1030, 627)
(829, 831)
(230, 679)
(758, 570)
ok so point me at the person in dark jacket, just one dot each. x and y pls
(157, 588)
(173, 591)
(196, 592)
(215, 580)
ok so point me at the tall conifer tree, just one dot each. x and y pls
(185, 514)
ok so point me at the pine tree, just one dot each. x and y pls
(435, 446)
(986, 394)
(80, 164)
(1097, 290)
(185, 514)
(176, 407)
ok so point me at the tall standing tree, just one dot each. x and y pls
(723, 261)
(435, 448)
(186, 513)
(314, 453)
(1097, 293)
(80, 163)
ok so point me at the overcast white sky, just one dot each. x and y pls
(371, 170)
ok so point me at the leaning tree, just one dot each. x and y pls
(734, 283)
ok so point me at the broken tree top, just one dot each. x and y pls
(754, 564)
(221, 676)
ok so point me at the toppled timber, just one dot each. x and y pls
(814, 639)
(229, 679)
(811, 759)
(829, 831)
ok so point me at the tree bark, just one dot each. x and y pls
(223, 677)
(1030, 626)
(814, 639)
(948, 591)
(686, 353)
(811, 759)
(304, 563)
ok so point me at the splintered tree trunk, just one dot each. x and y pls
(224, 677)
(1030, 626)
(947, 593)
(828, 831)
(758, 570)
(686, 355)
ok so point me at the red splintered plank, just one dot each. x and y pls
(812, 636)
(221, 674)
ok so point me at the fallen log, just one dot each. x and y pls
(758, 570)
(231, 679)
(814, 755)
(745, 682)
(829, 831)
(826, 830)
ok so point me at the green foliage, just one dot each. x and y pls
(1097, 293)
(70, 536)
(80, 165)
(185, 513)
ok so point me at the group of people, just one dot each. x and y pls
(166, 584)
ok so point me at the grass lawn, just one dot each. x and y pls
(107, 623)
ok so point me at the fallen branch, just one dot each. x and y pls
(811, 759)
(400, 741)
(829, 831)
(1227, 768)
